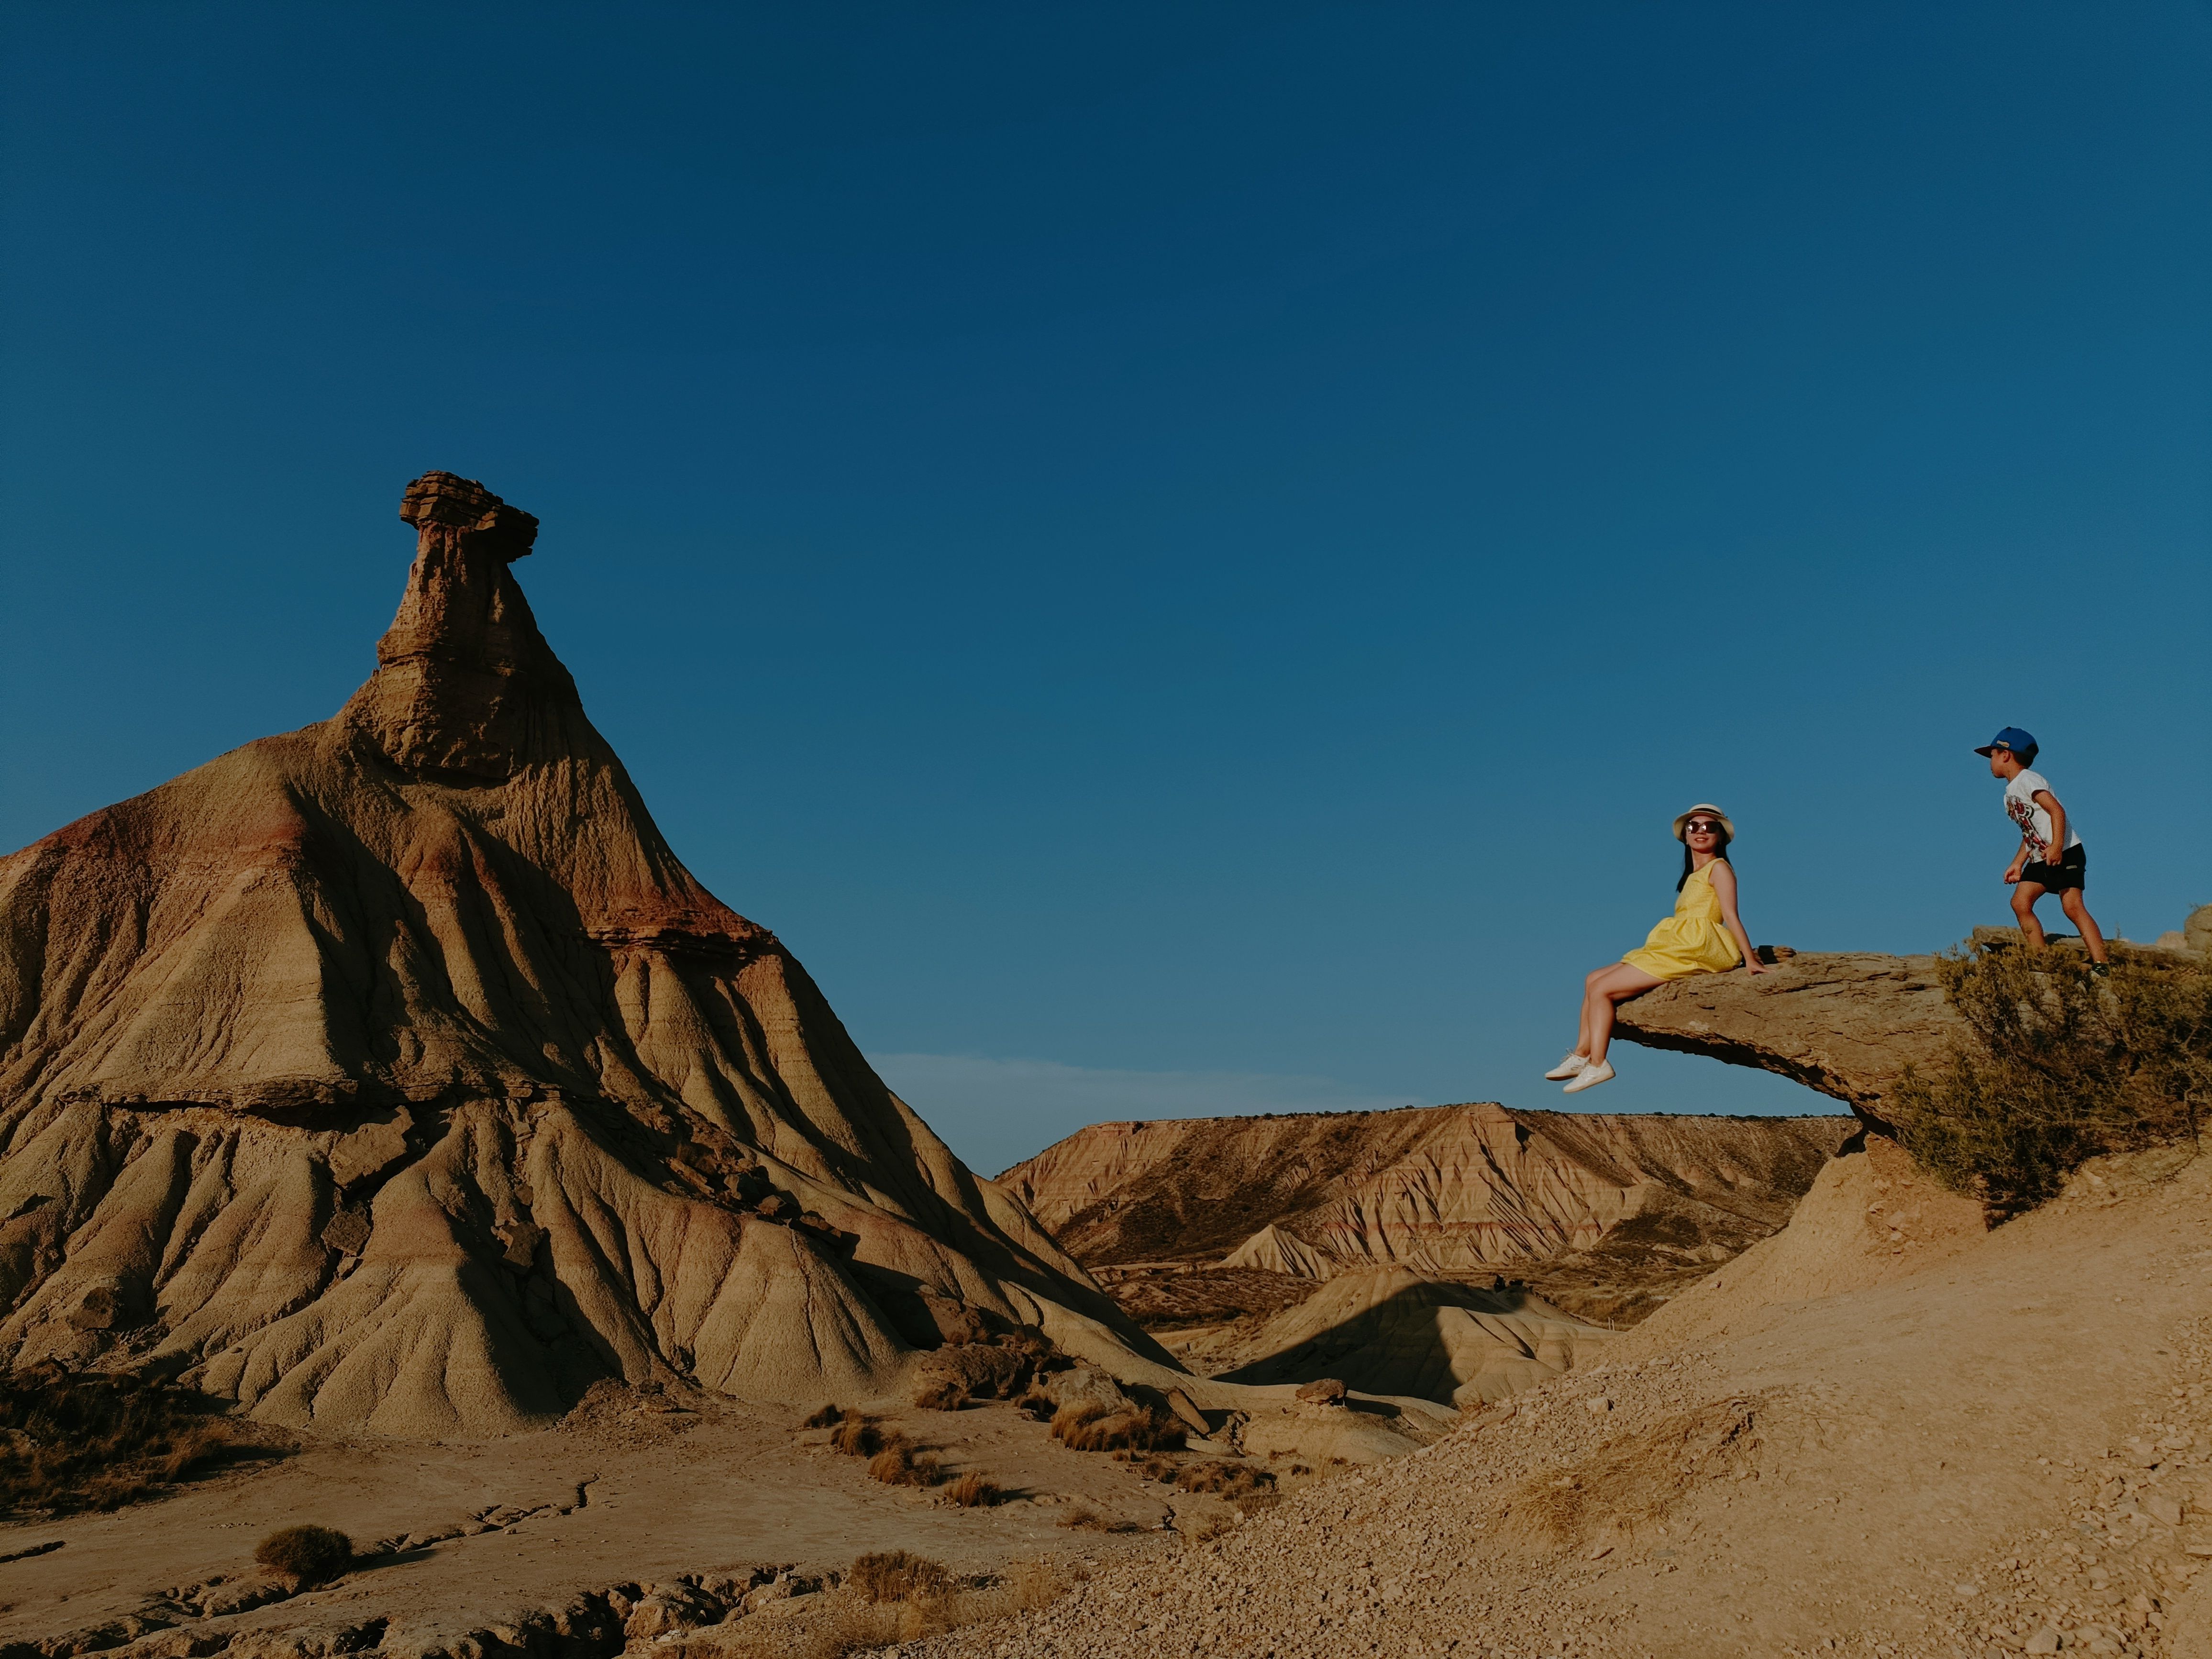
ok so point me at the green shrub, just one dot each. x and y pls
(2058, 1066)
(309, 1554)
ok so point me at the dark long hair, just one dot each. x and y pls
(1689, 868)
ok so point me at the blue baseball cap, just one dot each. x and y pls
(2012, 737)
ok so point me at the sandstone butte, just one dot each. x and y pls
(394, 1074)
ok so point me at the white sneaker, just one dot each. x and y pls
(1589, 1077)
(1565, 1068)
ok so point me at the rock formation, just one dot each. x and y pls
(1846, 1023)
(1365, 1246)
(392, 1073)
(1444, 1191)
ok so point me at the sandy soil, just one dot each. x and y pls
(1979, 1459)
(641, 1494)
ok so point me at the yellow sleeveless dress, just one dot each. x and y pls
(1692, 939)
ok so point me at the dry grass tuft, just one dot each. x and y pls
(1204, 1528)
(898, 1576)
(1089, 1426)
(973, 1491)
(1037, 1407)
(1634, 1481)
(1229, 1479)
(898, 1464)
(857, 1436)
(1081, 1517)
(822, 1417)
(944, 1394)
(854, 1623)
(310, 1554)
(98, 1441)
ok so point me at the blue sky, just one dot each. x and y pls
(1183, 558)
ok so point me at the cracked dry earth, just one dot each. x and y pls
(2002, 1453)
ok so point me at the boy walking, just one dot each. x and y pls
(2052, 858)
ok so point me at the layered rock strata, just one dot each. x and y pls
(1442, 1190)
(393, 1073)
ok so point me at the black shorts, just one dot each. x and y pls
(2072, 871)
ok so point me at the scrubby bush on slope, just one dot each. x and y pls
(2060, 1067)
(70, 1440)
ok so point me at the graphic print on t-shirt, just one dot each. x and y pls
(2033, 819)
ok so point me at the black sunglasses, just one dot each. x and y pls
(1702, 824)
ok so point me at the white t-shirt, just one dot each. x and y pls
(2034, 821)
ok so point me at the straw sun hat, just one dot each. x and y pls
(1709, 810)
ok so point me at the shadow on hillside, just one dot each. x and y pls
(1390, 1334)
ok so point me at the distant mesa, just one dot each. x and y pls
(1439, 1190)
(394, 1074)
(1452, 1253)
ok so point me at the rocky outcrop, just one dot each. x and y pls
(393, 1073)
(1846, 1023)
(1444, 1191)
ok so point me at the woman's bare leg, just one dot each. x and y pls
(1606, 989)
(1589, 981)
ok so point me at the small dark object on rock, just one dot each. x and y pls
(309, 1554)
(1324, 1390)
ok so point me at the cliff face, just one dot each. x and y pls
(393, 1072)
(1443, 1190)
(1847, 1023)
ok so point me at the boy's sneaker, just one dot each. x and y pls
(1565, 1069)
(1589, 1077)
(2101, 969)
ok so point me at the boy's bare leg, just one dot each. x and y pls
(1616, 984)
(2024, 896)
(2077, 911)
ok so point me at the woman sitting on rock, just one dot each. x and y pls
(1703, 936)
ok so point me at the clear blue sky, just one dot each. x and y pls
(1183, 558)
